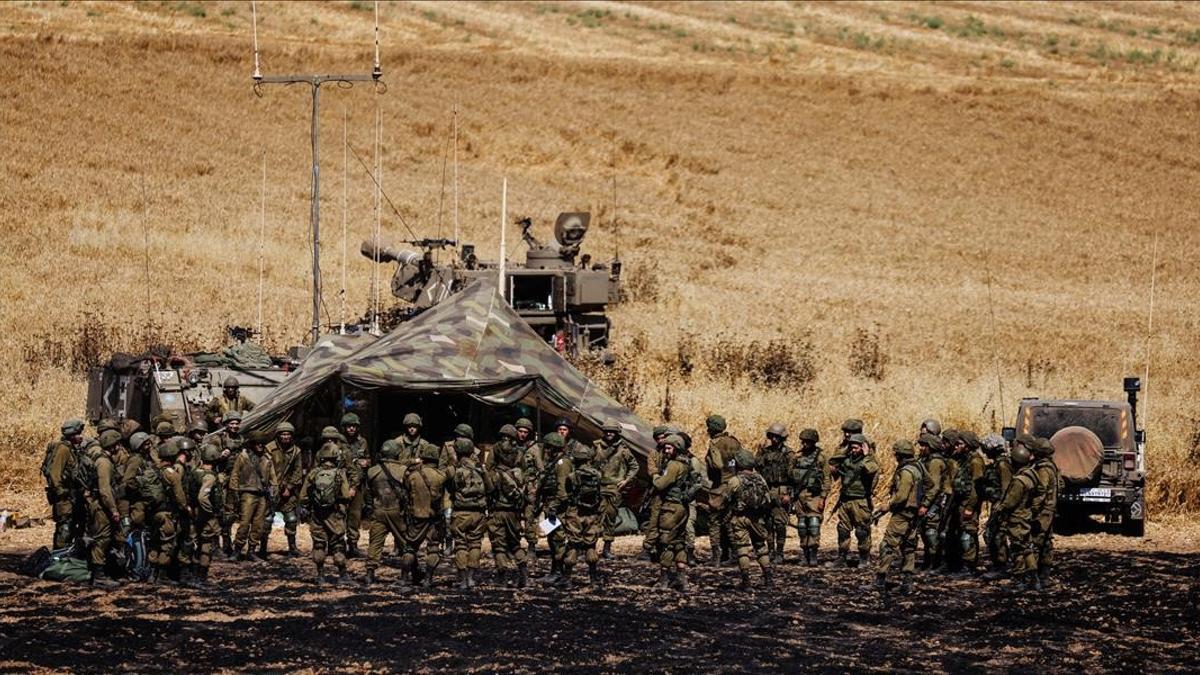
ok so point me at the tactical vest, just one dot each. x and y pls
(548, 481)
(992, 478)
(49, 459)
(684, 489)
(469, 490)
(324, 491)
(773, 465)
(853, 476)
(917, 472)
(386, 485)
(806, 473)
(152, 487)
(509, 493)
(195, 480)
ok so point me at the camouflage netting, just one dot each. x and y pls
(471, 343)
(1077, 452)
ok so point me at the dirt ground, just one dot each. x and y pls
(1123, 606)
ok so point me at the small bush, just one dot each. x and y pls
(867, 357)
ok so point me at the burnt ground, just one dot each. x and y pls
(1115, 611)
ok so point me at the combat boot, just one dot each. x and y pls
(664, 580)
(227, 545)
(852, 563)
(370, 578)
(691, 556)
(344, 579)
(744, 584)
(1045, 580)
(840, 561)
(815, 560)
(714, 557)
(320, 579)
(681, 580)
(471, 578)
(533, 550)
(594, 577)
(501, 578)
(462, 579)
(102, 580)
(292, 551)
(522, 575)
(200, 579)
(808, 558)
(768, 578)
(607, 552)
(880, 582)
(906, 584)
(554, 574)
(994, 575)
(262, 549)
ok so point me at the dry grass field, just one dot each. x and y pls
(812, 201)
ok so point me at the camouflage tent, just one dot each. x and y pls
(472, 343)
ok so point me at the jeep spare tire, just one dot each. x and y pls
(1078, 453)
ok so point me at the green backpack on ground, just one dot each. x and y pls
(324, 488)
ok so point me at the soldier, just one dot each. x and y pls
(385, 500)
(774, 464)
(128, 428)
(97, 480)
(1043, 507)
(58, 469)
(539, 472)
(197, 431)
(810, 481)
(555, 463)
(749, 500)
(325, 494)
(964, 524)
(505, 482)
(849, 428)
(253, 481)
(205, 500)
(720, 466)
(170, 510)
(231, 442)
(900, 538)
(618, 467)
(526, 442)
(411, 441)
(580, 498)
(425, 485)
(468, 518)
(655, 462)
(448, 459)
(996, 478)
(230, 400)
(856, 469)
(1015, 513)
(357, 459)
(701, 475)
(936, 499)
(288, 464)
(675, 485)
(132, 504)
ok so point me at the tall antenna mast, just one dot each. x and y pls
(315, 82)
(995, 351)
(146, 249)
(378, 208)
(262, 237)
(345, 206)
(1149, 335)
(456, 172)
(616, 230)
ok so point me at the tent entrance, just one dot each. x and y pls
(441, 412)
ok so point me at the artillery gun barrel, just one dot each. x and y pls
(373, 250)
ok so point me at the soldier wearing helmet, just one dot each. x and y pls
(171, 521)
(962, 537)
(206, 501)
(466, 485)
(749, 503)
(325, 494)
(849, 428)
(618, 468)
(580, 498)
(900, 538)
(96, 481)
(809, 477)
(426, 487)
(1043, 505)
(288, 462)
(1015, 513)
(411, 441)
(675, 487)
(775, 460)
(58, 467)
(231, 399)
(655, 463)
(930, 426)
(506, 488)
(548, 462)
(253, 483)
(856, 469)
(357, 457)
(230, 440)
(936, 502)
(722, 446)
(385, 500)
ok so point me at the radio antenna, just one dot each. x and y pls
(1149, 335)
(992, 333)
(616, 228)
(262, 238)
(315, 83)
(456, 172)
(378, 202)
(345, 208)
(146, 248)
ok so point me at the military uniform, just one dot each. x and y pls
(655, 463)
(719, 463)
(98, 484)
(618, 467)
(58, 470)
(900, 537)
(171, 522)
(750, 500)
(580, 497)
(968, 501)
(1043, 507)
(467, 489)
(542, 469)
(356, 459)
(426, 489)
(774, 464)
(132, 504)
(204, 496)
(231, 444)
(386, 497)
(857, 476)
(810, 481)
(938, 489)
(253, 481)
(288, 465)
(997, 477)
(506, 489)
(326, 493)
(219, 406)
(673, 484)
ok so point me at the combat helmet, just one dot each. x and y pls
(810, 435)
(164, 428)
(554, 440)
(508, 431)
(1042, 448)
(137, 440)
(1020, 455)
(993, 444)
(109, 439)
(904, 448)
(210, 454)
(715, 424)
(428, 452)
(852, 426)
(971, 439)
(198, 427)
(583, 453)
(777, 429)
(230, 382)
(168, 451)
(930, 441)
(673, 440)
(744, 459)
(284, 427)
(464, 447)
(185, 445)
(932, 426)
(107, 424)
(464, 430)
(331, 434)
(523, 423)
(390, 449)
(660, 431)
(72, 427)
(412, 420)
(233, 416)
(611, 428)
(328, 453)
(350, 419)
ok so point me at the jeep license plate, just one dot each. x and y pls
(1095, 494)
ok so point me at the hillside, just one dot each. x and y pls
(829, 191)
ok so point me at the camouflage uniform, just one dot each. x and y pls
(810, 481)
(900, 538)
(774, 464)
(857, 473)
(171, 520)
(671, 485)
(327, 521)
(997, 477)
(1044, 505)
(132, 504)
(467, 489)
(204, 497)
(505, 482)
(98, 483)
(386, 498)
(356, 459)
(935, 504)
(231, 444)
(58, 470)
(541, 469)
(618, 467)
(253, 481)
(968, 500)
(749, 522)
(580, 497)
(720, 466)
(1016, 512)
(219, 406)
(288, 464)
(655, 462)
(426, 489)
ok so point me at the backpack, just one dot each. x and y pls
(754, 496)
(806, 473)
(963, 484)
(324, 488)
(511, 486)
(48, 459)
(216, 496)
(137, 562)
(918, 479)
(469, 485)
(587, 486)
(991, 480)
(151, 486)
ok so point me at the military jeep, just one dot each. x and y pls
(1100, 452)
